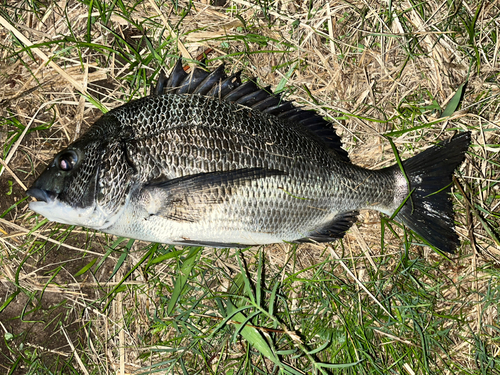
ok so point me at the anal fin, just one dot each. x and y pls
(334, 229)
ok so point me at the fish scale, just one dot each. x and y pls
(236, 166)
(237, 145)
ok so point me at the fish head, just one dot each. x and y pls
(66, 191)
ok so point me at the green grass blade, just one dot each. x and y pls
(111, 294)
(283, 82)
(339, 365)
(9, 299)
(164, 257)
(183, 276)
(122, 258)
(272, 298)
(251, 335)
(258, 284)
(454, 103)
(86, 267)
(246, 279)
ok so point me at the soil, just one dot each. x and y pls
(45, 305)
(46, 302)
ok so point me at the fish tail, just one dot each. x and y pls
(428, 211)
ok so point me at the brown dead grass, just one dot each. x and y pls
(373, 81)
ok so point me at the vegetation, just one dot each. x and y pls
(75, 301)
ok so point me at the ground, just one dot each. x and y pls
(78, 301)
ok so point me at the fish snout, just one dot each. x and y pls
(41, 195)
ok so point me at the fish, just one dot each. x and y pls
(209, 160)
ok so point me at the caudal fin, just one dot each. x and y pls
(429, 210)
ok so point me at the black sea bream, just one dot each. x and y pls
(209, 160)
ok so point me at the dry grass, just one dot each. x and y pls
(375, 71)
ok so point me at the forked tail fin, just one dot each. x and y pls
(429, 210)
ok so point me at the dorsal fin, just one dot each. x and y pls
(249, 94)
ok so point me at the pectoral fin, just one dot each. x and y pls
(189, 198)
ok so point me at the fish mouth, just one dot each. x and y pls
(41, 195)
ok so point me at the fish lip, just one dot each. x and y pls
(41, 195)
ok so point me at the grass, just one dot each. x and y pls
(377, 302)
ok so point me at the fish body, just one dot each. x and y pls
(217, 162)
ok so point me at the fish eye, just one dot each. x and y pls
(67, 161)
